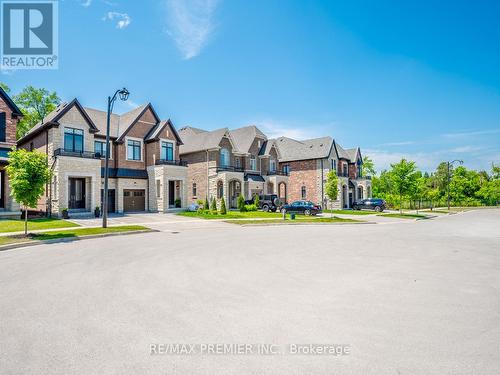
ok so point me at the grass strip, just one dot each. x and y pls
(15, 225)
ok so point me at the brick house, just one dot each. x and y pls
(145, 173)
(10, 114)
(225, 163)
(307, 164)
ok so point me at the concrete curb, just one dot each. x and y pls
(298, 223)
(71, 239)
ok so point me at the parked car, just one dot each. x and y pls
(267, 202)
(376, 204)
(302, 207)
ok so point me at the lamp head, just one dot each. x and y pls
(124, 94)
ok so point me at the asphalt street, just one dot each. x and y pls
(408, 297)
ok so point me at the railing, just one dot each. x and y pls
(277, 173)
(227, 168)
(180, 163)
(77, 154)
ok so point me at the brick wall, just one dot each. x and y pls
(197, 173)
(303, 173)
(11, 125)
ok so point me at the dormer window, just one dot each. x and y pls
(73, 140)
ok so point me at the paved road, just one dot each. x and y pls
(408, 298)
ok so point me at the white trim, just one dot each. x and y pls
(142, 148)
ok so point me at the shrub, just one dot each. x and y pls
(250, 207)
(213, 205)
(241, 203)
(200, 202)
(206, 206)
(223, 210)
(256, 200)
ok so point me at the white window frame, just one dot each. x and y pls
(168, 141)
(227, 162)
(272, 161)
(142, 148)
(254, 160)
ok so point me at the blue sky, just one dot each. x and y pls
(419, 80)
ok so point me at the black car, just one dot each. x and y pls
(267, 202)
(376, 204)
(302, 207)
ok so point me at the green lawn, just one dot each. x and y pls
(80, 232)
(405, 216)
(349, 212)
(11, 225)
(232, 215)
(298, 220)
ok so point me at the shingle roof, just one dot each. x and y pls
(13, 107)
(349, 154)
(244, 137)
(195, 140)
(157, 129)
(291, 149)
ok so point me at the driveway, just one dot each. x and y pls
(414, 297)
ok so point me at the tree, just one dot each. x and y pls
(403, 178)
(490, 192)
(223, 209)
(213, 205)
(241, 203)
(441, 178)
(332, 186)
(4, 87)
(368, 166)
(35, 104)
(28, 175)
(495, 171)
(256, 200)
(206, 206)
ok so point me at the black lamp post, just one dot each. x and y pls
(124, 94)
(450, 163)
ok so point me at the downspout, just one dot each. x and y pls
(322, 184)
(206, 195)
(146, 165)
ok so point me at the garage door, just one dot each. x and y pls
(134, 200)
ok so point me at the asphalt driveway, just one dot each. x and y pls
(413, 297)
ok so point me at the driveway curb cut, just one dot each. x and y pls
(71, 239)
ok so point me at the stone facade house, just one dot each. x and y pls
(10, 114)
(307, 164)
(145, 173)
(225, 163)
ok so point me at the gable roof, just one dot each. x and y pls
(53, 119)
(127, 120)
(244, 137)
(194, 140)
(267, 147)
(350, 154)
(153, 135)
(291, 149)
(10, 103)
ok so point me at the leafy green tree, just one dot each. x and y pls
(403, 176)
(368, 166)
(490, 192)
(440, 177)
(213, 205)
(241, 203)
(256, 200)
(223, 209)
(495, 171)
(332, 186)
(28, 175)
(464, 184)
(4, 87)
(35, 104)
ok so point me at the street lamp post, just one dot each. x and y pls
(450, 163)
(123, 93)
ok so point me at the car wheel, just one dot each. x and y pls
(273, 209)
(378, 209)
(265, 208)
(307, 212)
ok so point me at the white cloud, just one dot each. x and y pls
(275, 129)
(123, 19)
(190, 24)
(470, 133)
(86, 3)
(402, 143)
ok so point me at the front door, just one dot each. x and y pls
(3, 184)
(171, 193)
(111, 199)
(76, 193)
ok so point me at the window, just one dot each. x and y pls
(194, 190)
(272, 165)
(224, 157)
(220, 189)
(253, 163)
(334, 165)
(286, 169)
(303, 192)
(158, 188)
(73, 140)
(3, 127)
(133, 150)
(100, 148)
(167, 151)
(237, 163)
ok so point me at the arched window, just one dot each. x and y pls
(224, 157)
(304, 192)
(194, 189)
(220, 189)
